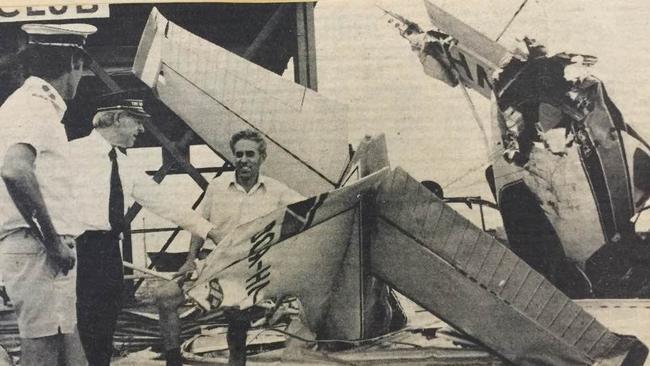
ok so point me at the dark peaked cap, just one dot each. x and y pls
(62, 35)
(116, 103)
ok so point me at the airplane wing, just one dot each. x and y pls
(473, 56)
(473, 282)
(455, 52)
(297, 251)
(485, 49)
(218, 93)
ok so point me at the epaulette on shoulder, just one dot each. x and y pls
(50, 97)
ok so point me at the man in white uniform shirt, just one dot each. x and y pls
(38, 220)
(228, 203)
(108, 174)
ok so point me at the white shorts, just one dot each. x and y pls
(45, 301)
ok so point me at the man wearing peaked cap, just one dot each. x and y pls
(38, 215)
(109, 175)
(64, 35)
(54, 52)
(131, 106)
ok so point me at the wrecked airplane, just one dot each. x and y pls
(368, 225)
(569, 174)
(377, 224)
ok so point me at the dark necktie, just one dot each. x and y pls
(116, 198)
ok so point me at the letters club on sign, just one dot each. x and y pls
(37, 13)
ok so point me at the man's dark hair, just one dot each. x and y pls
(251, 135)
(50, 62)
(434, 187)
(12, 75)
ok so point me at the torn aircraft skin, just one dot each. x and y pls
(569, 178)
(412, 234)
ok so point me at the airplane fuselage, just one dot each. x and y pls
(568, 174)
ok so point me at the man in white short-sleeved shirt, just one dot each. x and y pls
(38, 218)
(228, 203)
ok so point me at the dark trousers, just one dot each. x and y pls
(100, 281)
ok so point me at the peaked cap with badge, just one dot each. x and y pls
(61, 35)
(121, 101)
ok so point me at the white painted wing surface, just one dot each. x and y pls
(218, 93)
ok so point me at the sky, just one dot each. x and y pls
(363, 62)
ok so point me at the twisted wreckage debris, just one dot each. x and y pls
(416, 235)
(569, 174)
(336, 251)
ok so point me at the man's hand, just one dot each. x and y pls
(17, 172)
(185, 269)
(214, 235)
(62, 253)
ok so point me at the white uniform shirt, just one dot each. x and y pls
(93, 184)
(227, 205)
(32, 115)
